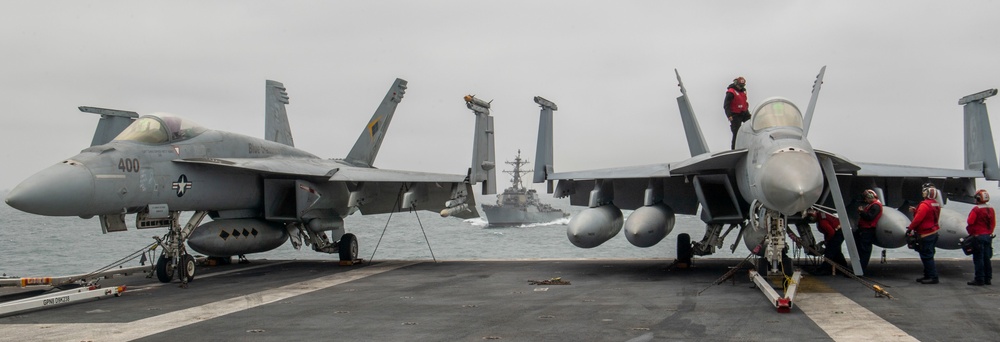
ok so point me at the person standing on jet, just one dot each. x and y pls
(982, 221)
(869, 213)
(829, 225)
(925, 228)
(736, 106)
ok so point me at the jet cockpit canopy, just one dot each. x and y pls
(159, 128)
(776, 112)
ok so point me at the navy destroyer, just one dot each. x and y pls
(518, 205)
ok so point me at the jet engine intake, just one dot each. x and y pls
(592, 227)
(223, 238)
(649, 224)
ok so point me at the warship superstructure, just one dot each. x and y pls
(518, 205)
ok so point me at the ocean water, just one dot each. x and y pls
(32, 245)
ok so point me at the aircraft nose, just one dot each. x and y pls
(64, 189)
(791, 181)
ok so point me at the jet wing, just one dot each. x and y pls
(383, 186)
(356, 174)
(642, 171)
(630, 184)
(841, 165)
(335, 171)
(702, 163)
(708, 162)
(887, 170)
(277, 165)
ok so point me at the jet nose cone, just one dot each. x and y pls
(791, 182)
(64, 189)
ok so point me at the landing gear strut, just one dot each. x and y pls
(175, 256)
(774, 256)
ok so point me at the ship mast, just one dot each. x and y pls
(518, 162)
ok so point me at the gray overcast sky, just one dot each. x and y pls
(895, 72)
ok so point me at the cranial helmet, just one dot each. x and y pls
(930, 193)
(740, 80)
(870, 194)
(982, 196)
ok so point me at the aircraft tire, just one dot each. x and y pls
(684, 251)
(348, 247)
(187, 266)
(786, 265)
(164, 270)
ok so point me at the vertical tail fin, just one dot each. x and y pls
(543, 150)
(980, 153)
(366, 148)
(483, 149)
(807, 120)
(276, 126)
(696, 140)
(112, 123)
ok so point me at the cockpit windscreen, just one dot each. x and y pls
(777, 113)
(160, 128)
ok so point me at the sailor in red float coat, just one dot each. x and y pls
(868, 216)
(925, 227)
(829, 225)
(736, 106)
(982, 221)
(925, 219)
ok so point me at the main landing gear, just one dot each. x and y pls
(175, 258)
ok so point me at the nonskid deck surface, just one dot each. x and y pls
(616, 300)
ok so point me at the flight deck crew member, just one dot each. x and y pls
(829, 225)
(982, 221)
(925, 228)
(869, 213)
(735, 106)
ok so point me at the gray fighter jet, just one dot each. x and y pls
(258, 192)
(762, 186)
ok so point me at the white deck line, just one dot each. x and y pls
(173, 320)
(845, 320)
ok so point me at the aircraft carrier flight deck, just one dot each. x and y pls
(604, 300)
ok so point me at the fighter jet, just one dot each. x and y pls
(259, 193)
(762, 186)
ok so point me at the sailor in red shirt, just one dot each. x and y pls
(868, 216)
(736, 106)
(982, 221)
(925, 228)
(829, 225)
